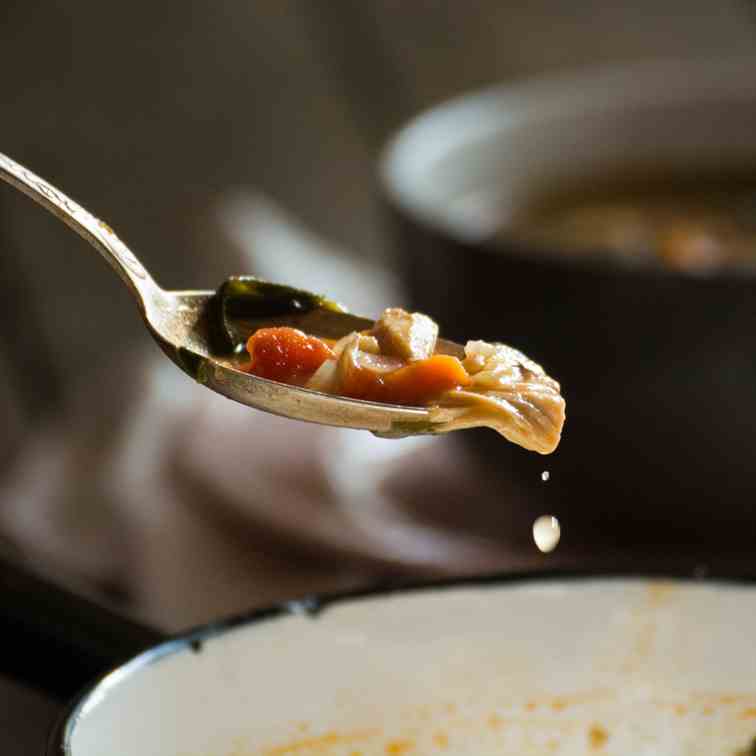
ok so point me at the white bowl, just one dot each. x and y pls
(523, 666)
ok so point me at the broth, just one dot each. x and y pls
(690, 222)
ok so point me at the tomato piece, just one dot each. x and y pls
(286, 354)
(416, 383)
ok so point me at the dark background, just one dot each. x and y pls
(148, 113)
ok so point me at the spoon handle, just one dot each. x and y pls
(95, 231)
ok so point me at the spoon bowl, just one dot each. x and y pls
(182, 327)
(183, 323)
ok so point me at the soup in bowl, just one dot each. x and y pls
(693, 223)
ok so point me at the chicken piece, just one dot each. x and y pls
(407, 335)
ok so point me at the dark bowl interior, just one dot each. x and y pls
(658, 367)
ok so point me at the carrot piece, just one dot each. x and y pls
(425, 380)
(416, 383)
(286, 354)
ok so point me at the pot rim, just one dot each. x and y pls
(59, 741)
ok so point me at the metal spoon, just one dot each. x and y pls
(181, 323)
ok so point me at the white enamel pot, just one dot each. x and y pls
(525, 665)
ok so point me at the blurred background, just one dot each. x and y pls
(241, 137)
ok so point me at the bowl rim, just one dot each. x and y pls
(60, 739)
(491, 110)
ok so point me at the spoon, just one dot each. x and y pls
(183, 324)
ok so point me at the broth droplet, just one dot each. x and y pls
(545, 475)
(546, 533)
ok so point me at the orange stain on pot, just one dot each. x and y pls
(495, 722)
(749, 713)
(597, 737)
(441, 740)
(399, 747)
(319, 743)
(563, 702)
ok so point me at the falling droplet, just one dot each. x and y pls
(545, 475)
(546, 533)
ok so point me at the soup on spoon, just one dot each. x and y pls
(397, 360)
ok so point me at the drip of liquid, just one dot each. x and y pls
(546, 533)
(545, 475)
